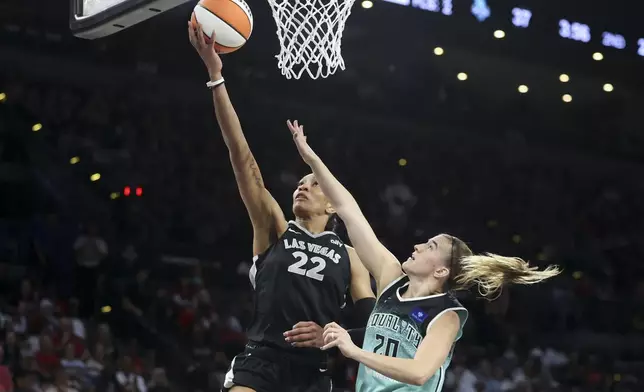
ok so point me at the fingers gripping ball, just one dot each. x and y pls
(231, 21)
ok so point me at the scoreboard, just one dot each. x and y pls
(521, 17)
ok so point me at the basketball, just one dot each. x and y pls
(230, 20)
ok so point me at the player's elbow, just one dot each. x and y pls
(422, 379)
(419, 379)
(421, 374)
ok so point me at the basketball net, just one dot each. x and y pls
(310, 36)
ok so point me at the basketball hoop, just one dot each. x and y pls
(310, 36)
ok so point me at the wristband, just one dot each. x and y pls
(213, 84)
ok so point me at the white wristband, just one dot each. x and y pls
(213, 84)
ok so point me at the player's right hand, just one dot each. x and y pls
(205, 49)
(305, 334)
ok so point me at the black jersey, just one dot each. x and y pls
(301, 277)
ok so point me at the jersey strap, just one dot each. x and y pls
(391, 288)
(449, 303)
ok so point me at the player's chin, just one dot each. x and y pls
(407, 264)
(302, 207)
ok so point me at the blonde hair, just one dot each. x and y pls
(490, 272)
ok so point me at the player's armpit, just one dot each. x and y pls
(270, 226)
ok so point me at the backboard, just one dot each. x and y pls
(91, 19)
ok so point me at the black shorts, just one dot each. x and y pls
(270, 369)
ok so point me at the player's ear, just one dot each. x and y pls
(441, 272)
(329, 209)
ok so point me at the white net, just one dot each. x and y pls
(310, 36)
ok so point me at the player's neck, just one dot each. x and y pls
(314, 224)
(422, 288)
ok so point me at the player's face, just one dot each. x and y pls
(429, 257)
(308, 199)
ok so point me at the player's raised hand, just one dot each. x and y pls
(305, 334)
(206, 49)
(306, 152)
(336, 336)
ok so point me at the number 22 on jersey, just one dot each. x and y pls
(300, 262)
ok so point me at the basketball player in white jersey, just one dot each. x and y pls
(301, 270)
(416, 321)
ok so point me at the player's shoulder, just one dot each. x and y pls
(450, 301)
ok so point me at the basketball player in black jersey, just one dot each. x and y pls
(300, 272)
(411, 333)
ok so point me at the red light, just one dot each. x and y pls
(127, 191)
(139, 191)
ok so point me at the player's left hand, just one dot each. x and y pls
(336, 336)
(305, 334)
(306, 152)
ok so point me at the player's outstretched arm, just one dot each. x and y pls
(380, 263)
(265, 214)
(431, 353)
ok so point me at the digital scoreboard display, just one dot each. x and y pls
(521, 17)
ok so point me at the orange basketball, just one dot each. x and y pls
(230, 20)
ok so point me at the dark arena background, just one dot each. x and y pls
(516, 125)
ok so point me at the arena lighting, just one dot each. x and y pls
(516, 239)
(106, 309)
(462, 76)
(402, 162)
(74, 160)
(127, 191)
(95, 177)
(3, 97)
(608, 87)
(563, 78)
(37, 127)
(366, 4)
(500, 34)
(597, 56)
(139, 191)
(567, 98)
(114, 195)
(523, 89)
(438, 51)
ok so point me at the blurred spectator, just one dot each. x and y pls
(61, 383)
(46, 357)
(73, 365)
(91, 250)
(6, 381)
(159, 381)
(11, 350)
(65, 337)
(127, 379)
